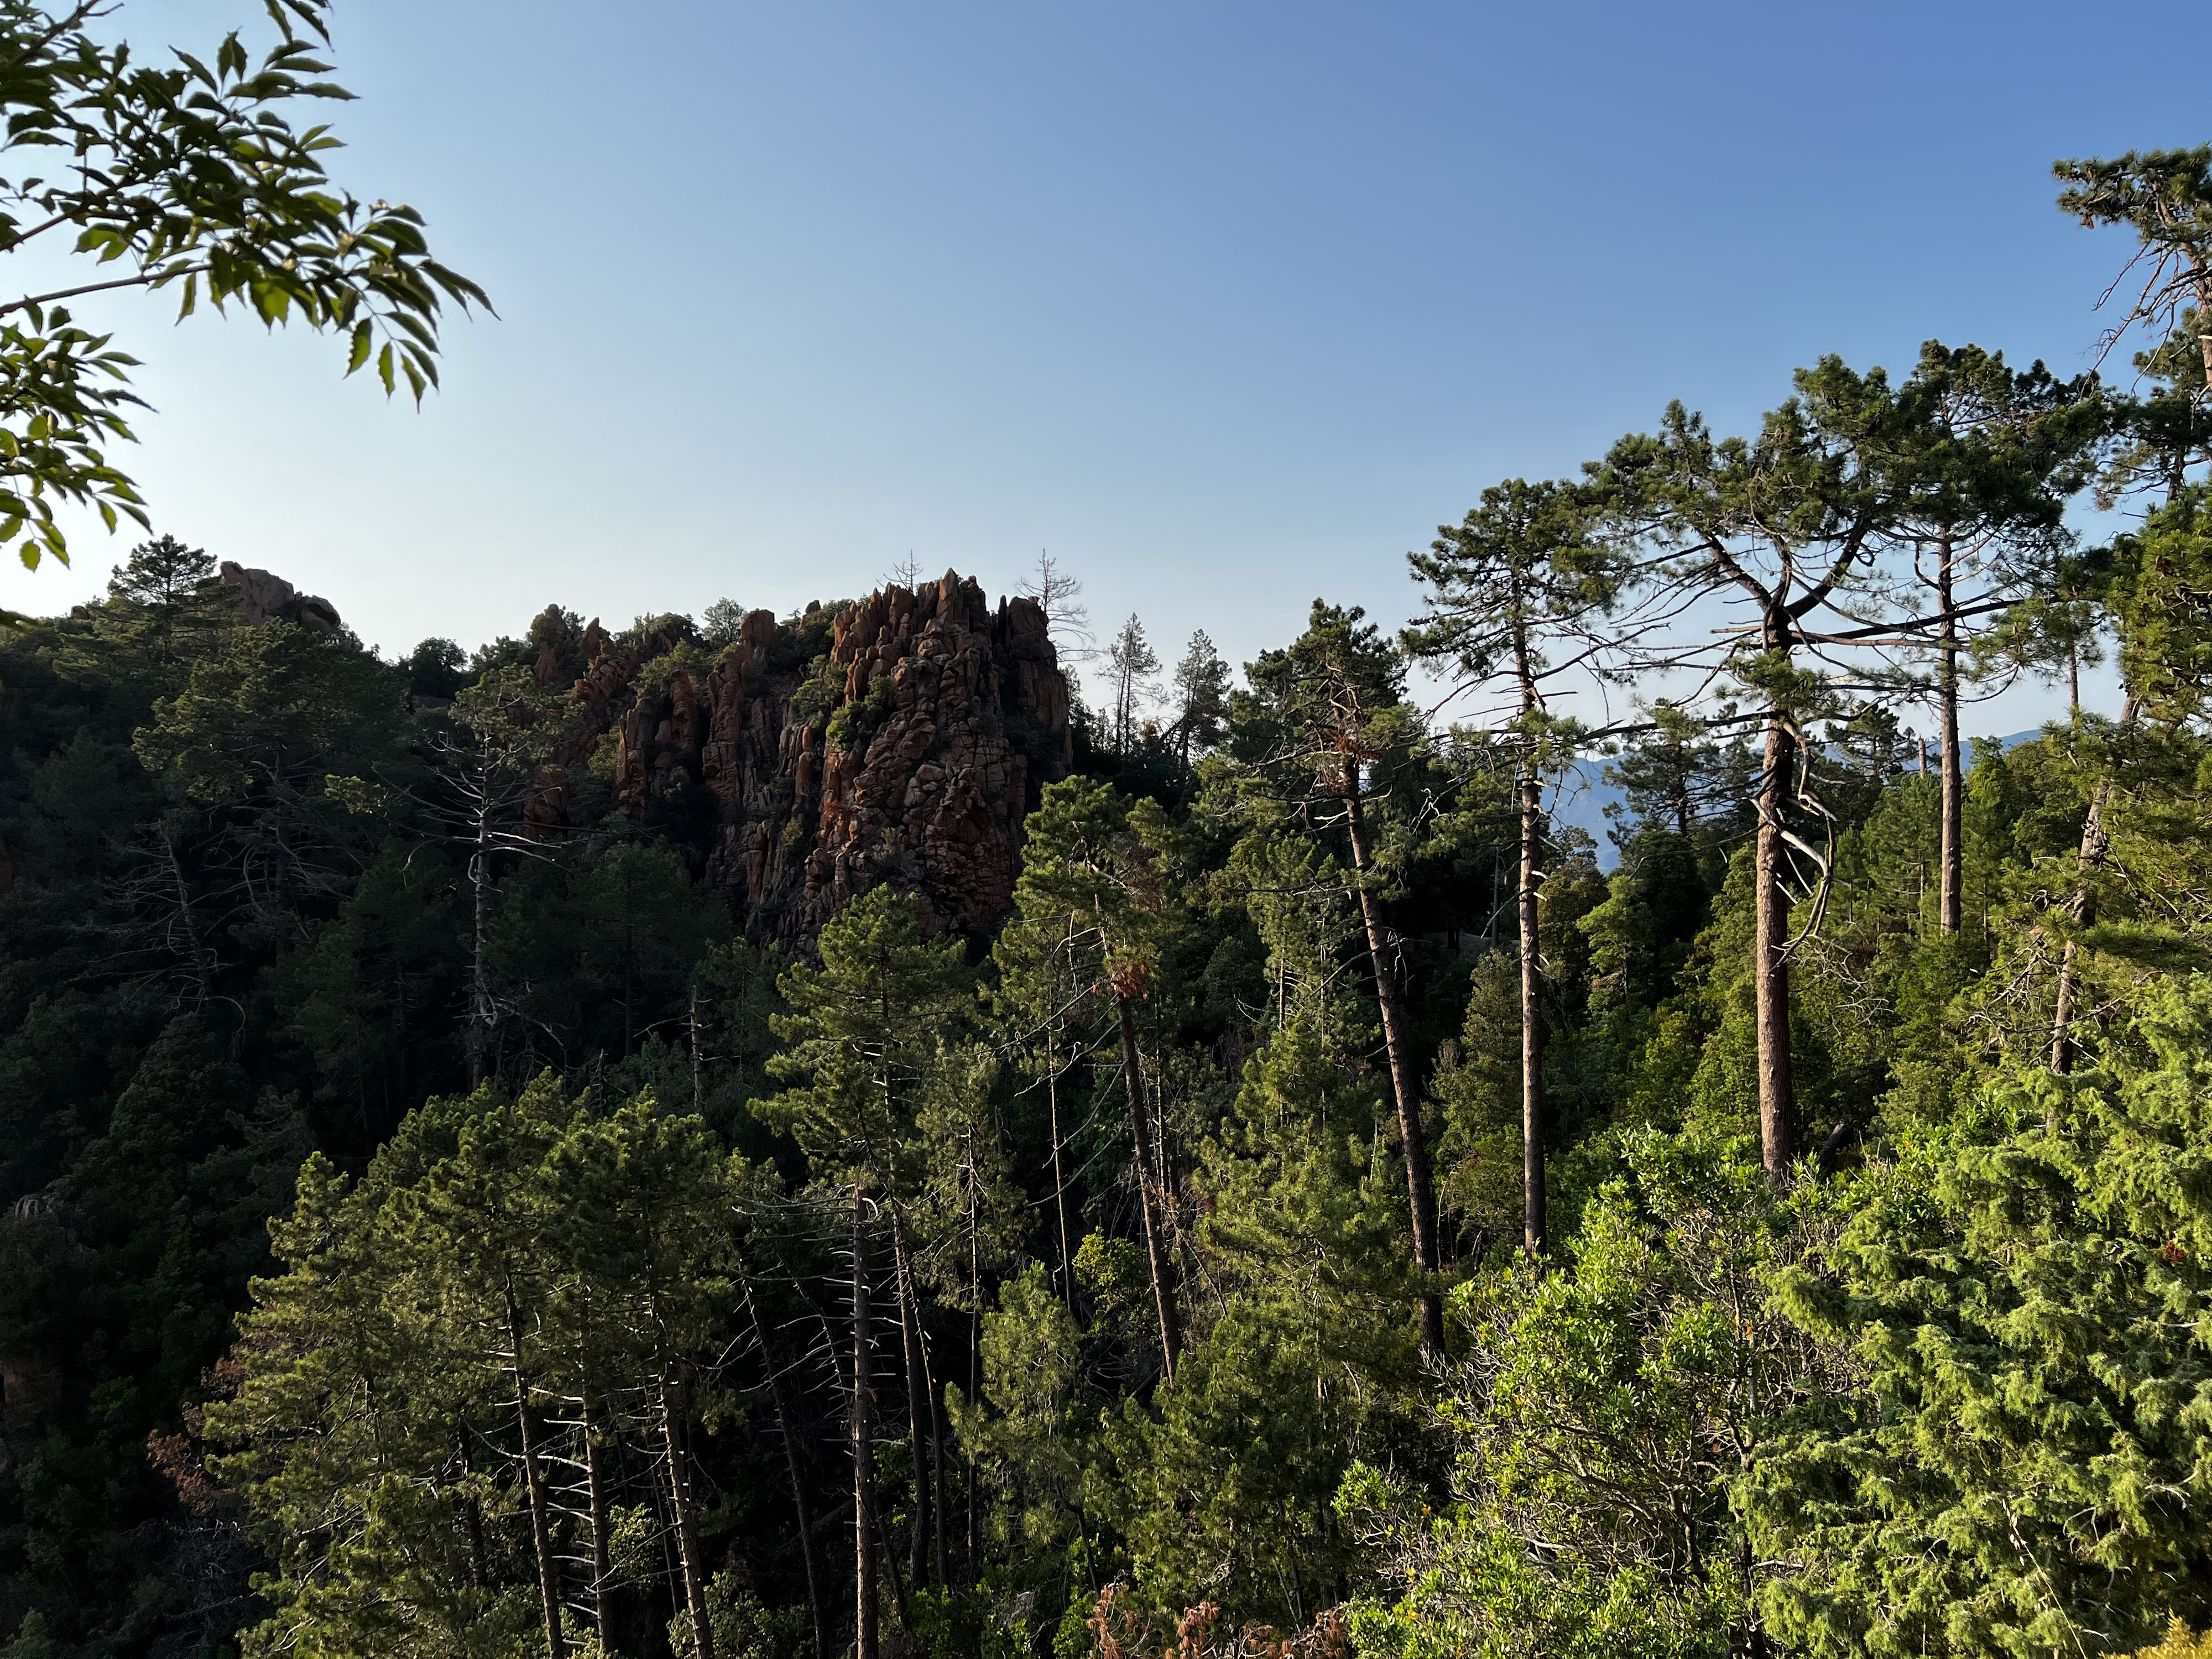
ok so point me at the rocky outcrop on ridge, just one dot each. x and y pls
(264, 596)
(900, 740)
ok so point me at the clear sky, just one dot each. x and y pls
(1225, 304)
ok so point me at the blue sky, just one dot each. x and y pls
(1226, 305)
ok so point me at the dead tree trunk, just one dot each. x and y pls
(974, 1356)
(1951, 903)
(791, 1469)
(1141, 1131)
(864, 1450)
(1532, 1015)
(698, 1060)
(1777, 1102)
(1059, 1178)
(601, 1499)
(480, 1010)
(687, 1532)
(1420, 1187)
(910, 1339)
(203, 974)
(1530, 792)
(533, 1480)
(933, 1398)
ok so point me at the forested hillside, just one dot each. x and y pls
(890, 1130)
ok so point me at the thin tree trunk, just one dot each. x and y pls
(2082, 909)
(1952, 902)
(687, 1534)
(533, 1480)
(1532, 1017)
(1140, 1130)
(791, 1468)
(2202, 282)
(975, 1354)
(935, 1397)
(595, 1479)
(1420, 1190)
(883, 1514)
(395, 1079)
(2096, 839)
(891, 1561)
(201, 974)
(1059, 1178)
(1778, 1103)
(473, 1514)
(910, 1339)
(864, 1452)
(480, 973)
(698, 1069)
(1756, 1644)
(1532, 1011)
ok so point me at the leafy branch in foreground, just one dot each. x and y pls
(187, 175)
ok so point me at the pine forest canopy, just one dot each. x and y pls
(797, 1136)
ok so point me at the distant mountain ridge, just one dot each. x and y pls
(1580, 799)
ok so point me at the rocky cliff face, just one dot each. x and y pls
(263, 597)
(901, 739)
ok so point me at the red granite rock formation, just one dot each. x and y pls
(264, 596)
(908, 751)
